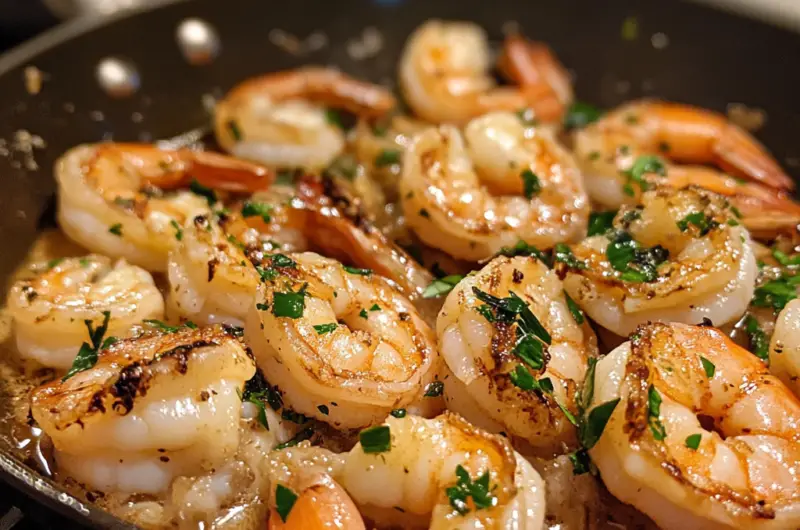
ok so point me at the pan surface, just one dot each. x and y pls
(681, 52)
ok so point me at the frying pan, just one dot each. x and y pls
(711, 59)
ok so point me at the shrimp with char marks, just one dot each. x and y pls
(278, 119)
(51, 309)
(658, 451)
(511, 183)
(150, 409)
(486, 353)
(680, 257)
(421, 479)
(111, 197)
(444, 75)
(343, 338)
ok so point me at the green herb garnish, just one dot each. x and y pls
(357, 271)
(593, 426)
(576, 311)
(600, 222)
(87, 354)
(635, 263)
(580, 115)
(759, 341)
(708, 366)
(478, 490)
(387, 157)
(284, 501)
(654, 412)
(233, 127)
(441, 286)
(524, 249)
(703, 222)
(434, 389)
(178, 229)
(531, 183)
(116, 229)
(322, 329)
(398, 413)
(376, 439)
(257, 209)
(289, 304)
(693, 441)
(564, 254)
(204, 191)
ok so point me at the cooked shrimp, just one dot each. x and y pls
(110, 199)
(150, 409)
(321, 504)
(444, 75)
(681, 257)
(533, 67)
(784, 348)
(278, 119)
(340, 337)
(419, 479)
(449, 207)
(658, 450)
(680, 133)
(51, 309)
(481, 354)
(210, 277)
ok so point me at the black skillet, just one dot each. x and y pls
(711, 59)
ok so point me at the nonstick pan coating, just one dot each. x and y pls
(710, 59)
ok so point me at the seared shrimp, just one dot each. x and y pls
(150, 409)
(278, 119)
(110, 196)
(681, 257)
(443, 473)
(444, 75)
(534, 68)
(486, 354)
(784, 348)
(210, 277)
(51, 309)
(341, 338)
(680, 133)
(701, 436)
(451, 206)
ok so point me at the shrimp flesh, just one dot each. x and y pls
(480, 353)
(784, 348)
(417, 482)
(110, 197)
(51, 309)
(681, 257)
(445, 76)
(341, 338)
(451, 206)
(150, 409)
(279, 119)
(700, 435)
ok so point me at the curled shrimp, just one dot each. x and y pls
(681, 257)
(702, 435)
(451, 206)
(784, 348)
(680, 133)
(535, 69)
(410, 485)
(339, 337)
(481, 353)
(51, 309)
(278, 119)
(150, 409)
(111, 198)
(444, 74)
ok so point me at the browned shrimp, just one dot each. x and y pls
(279, 118)
(535, 68)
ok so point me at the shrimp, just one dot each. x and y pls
(533, 67)
(211, 278)
(452, 208)
(784, 348)
(150, 409)
(444, 75)
(420, 480)
(51, 309)
(344, 346)
(482, 353)
(683, 134)
(277, 119)
(700, 435)
(680, 257)
(110, 199)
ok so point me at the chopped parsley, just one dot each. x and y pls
(703, 222)
(376, 439)
(531, 183)
(478, 490)
(576, 311)
(178, 229)
(55, 262)
(289, 304)
(257, 209)
(581, 463)
(284, 501)
(693, 441)
(653, 414)
(233, 127)
(166, 328)
(441, 286)
(87, 354)
(334, 117)
(387, 157)
(564, 254)
(322, 329)
(116, 229)
(363, 314)
(204, 191)
(357, 271)
(434, 389)
(600, 222)
(777, 293)
(635, 263)
(784, 259)
(708, 367)
(398, 413)
(303, 435)
(759, 341)
(282, 260)
(592, 427)
(643, 165)
(580, 115)
(524, 249)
